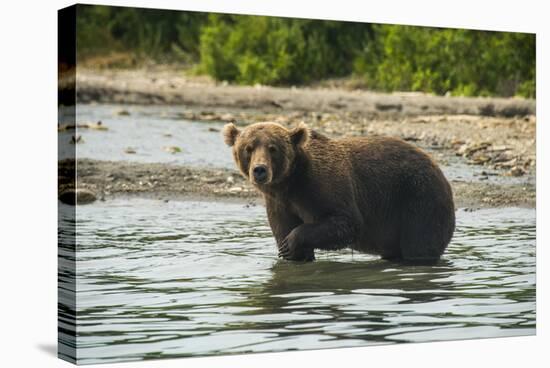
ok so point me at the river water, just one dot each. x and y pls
(162, 279)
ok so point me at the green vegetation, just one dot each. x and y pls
(271, 50)
(283, 51)
(160, 35)
(463, 62)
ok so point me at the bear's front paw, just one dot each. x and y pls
(287, 248)
(290, 249)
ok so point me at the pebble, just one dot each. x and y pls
(469, 150)
(172, 149)
(212, 180)
(503, 157)
(510, 163)
(97, 126)
(516, 171)
(227, 117)
(480, 159)
(461, 150)
(498, 148)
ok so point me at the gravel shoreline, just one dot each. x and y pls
(109, 179)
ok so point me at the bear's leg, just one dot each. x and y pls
(425, 232)
(282, 222)
(332, 233)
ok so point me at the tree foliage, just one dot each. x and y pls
(283, 51)
(463, 62)
(151, 33)
(269, 50)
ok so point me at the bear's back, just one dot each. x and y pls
(379, 167)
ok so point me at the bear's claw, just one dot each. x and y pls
(286, 250)
(292, 250)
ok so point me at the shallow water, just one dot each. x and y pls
(149, 129)
(157, 279)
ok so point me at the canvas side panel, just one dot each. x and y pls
(66, 264)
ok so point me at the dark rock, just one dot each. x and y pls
(77, 196)
(388, 107)
(487, 110)
(511, 111)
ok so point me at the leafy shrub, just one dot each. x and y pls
(268, 50)
(463, 62)
(148, 33)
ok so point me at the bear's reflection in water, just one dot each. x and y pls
(376, 301)
(341, 287)
(327, 275)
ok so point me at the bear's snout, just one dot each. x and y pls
(260, 173)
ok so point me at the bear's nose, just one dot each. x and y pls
(260, 173)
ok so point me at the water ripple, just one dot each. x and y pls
(173, 279)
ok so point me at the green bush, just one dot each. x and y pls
(463, 62)
(268, 50)
(147, 33)
(93, 37)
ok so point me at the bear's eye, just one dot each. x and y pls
(272, 148)
(248, 149)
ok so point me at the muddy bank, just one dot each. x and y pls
(162, 181)
(172, 87)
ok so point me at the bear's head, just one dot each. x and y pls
(265, 152)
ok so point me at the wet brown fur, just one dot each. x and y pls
(377, 195)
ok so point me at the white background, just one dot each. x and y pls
(28, 181)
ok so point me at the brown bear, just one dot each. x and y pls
(375, 194)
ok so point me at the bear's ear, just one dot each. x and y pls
(230, 133)
(299, 135)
